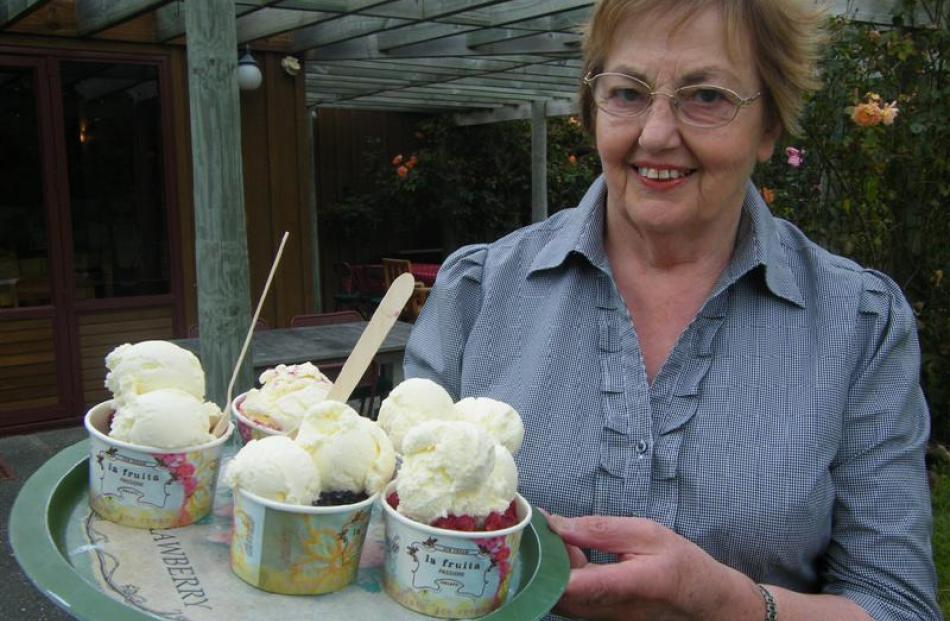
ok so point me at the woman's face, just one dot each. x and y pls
(706, 169)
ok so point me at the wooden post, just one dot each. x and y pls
(224, 306)
(539, 162)
(317, 280)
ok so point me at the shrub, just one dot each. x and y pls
(873, 178)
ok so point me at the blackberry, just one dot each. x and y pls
(333, 499)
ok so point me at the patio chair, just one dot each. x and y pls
(348, 296)
(370, 282)
(392, 268)
(372, 384)
(419, 296)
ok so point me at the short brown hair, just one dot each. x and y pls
(786, 40)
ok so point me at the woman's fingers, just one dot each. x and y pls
(596, 591)
(620, 535)
(575, 555)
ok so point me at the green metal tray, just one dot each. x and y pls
(56, 495)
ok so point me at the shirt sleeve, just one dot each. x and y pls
(436, 346)
(880, 555)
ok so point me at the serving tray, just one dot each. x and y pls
(95, 569)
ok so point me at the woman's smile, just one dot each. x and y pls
(661, 176)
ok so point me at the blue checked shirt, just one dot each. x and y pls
(785, 433)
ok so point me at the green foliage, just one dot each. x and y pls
(940, 500)
(878, 192)
(475, 182)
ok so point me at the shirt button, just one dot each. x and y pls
(642, 447)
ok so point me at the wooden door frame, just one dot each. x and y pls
(64, 309)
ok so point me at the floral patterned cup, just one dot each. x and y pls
(297, 549)
(447, 573)
(247, 428)
(148, 487)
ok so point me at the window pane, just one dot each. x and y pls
(24, 259)
(114, 154)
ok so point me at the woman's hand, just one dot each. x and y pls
(659, 575)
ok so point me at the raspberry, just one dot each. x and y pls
(456, 522)
(498, 521)
(468, 523)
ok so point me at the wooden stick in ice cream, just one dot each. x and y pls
(372, 338)
(222, 423)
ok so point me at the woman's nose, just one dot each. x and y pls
(660, 129)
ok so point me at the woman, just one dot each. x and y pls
(738, 408)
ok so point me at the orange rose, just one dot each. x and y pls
(397, 160)
(412, 162)
(572, 159)
(768, 195)
(402, 171)
(866, 115)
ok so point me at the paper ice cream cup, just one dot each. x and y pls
(297, 549)
(247, 428)
(147, 487)
(447, 573)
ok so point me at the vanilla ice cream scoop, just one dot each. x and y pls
(495, 493)
(413, 401)
(286, 392)
(166, 418)
(351, 452)
(151, 365)
(275, 468)
(453, 467)
(498, 418)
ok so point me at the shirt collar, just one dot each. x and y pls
(581, 232)
(757, 243)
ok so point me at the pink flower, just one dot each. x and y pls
(796, 157)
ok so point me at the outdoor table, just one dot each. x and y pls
(425, 272)
(318, 344)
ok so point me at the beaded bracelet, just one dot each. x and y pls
(770, 614)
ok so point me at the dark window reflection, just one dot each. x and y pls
(24, 258)
(114, 154)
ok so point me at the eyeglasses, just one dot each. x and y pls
(700, 105)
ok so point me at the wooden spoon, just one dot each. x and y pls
(372, 338)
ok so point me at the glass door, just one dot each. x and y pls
(36, 381)
(87, 242)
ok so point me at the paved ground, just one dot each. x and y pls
(22, 455)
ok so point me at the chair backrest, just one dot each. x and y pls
(258, 326)
(392, 268)
(414, 306)
(325, 319)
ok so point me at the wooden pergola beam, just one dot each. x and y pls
(93, 16)
(11, 11)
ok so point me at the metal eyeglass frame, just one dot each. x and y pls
(740, 102)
